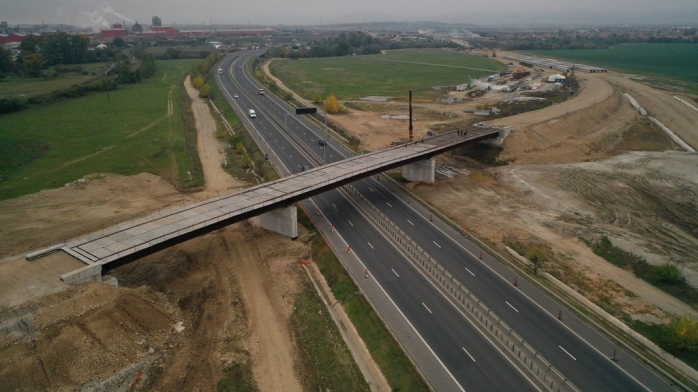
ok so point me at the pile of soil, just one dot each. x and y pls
(88, 333)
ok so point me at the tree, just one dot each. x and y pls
(33, 64)
(197, 81)
(342, 48)
(173, 53)
(683, 334)
(30, 45)
(205, 91)
(5, 60)
(331, 104)
(119, 42)
(669, 274)
(536, 257)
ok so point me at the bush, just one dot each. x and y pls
(9, 105)
(668, 274)
(332, 105)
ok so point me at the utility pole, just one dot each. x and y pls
(410, 137)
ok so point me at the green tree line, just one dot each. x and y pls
(353, 43)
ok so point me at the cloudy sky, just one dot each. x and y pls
(272, 12)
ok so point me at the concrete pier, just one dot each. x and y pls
(283, 221)
(420, 171)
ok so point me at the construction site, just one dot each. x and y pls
(590, 166)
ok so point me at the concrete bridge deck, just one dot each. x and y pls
(130, 240)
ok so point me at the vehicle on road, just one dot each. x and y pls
(220, 71)
(252, 113)
(236, 96)
(260, 91)
(322, 142)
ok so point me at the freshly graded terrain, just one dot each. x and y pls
(211, 313)
(216, 309)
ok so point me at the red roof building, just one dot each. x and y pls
(9, 39)
(117, 30)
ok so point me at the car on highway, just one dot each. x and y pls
(252, 114)
(236, 96)
(239, 66)
(322, 142)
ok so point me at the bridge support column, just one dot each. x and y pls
(283, 221)
(420, 171)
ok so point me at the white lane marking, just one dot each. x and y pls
(511, 306)
(567, 353)
(370, 189)
(352, 225)
(331, 156)
(335, 206)
(471, 272)
(395, 272)
(429, 310)
(410, 222)
(388, 204)
(466, 351)
(369, 244)
(436, 244)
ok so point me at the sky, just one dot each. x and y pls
(316, 12)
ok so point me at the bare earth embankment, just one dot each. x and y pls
(183, 316)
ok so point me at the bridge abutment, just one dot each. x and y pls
(283, 221)
(420, 171)
(503, 133)
(89, 273)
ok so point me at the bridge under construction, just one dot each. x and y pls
(116, 245)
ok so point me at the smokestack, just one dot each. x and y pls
(410, 138)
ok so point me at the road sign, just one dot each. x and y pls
(306, 110)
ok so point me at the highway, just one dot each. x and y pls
(578, 351)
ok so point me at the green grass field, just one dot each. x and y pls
(668, 61)
(390, 74)
(31, 87)
(48, 146)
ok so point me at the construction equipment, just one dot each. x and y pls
(520, 73)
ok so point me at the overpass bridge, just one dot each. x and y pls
(117, 245)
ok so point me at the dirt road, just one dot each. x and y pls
(211, 149)
(676, 116)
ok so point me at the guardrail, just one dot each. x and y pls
(526, 355)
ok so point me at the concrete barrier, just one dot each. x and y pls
(88, 273)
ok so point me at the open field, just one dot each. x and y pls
(390, 74)
(665, 61)
(31, 87)
(138, 129)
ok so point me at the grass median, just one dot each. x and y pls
(397, 368)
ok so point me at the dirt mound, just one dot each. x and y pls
(102, 201)
(646, 205)
(585, 135)
(643, 201)
(89, 332)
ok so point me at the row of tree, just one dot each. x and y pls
(586, 42)
(58, 48)
(353, 43)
